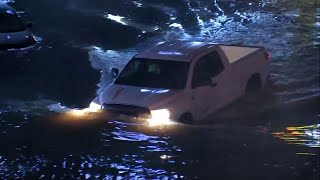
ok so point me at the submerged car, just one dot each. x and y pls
(184, 81)
(14, 33)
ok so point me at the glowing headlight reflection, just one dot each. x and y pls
(160, 117)
(94, 107)
(301, 135)
(77, 112)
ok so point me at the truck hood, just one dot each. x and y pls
(138, 96)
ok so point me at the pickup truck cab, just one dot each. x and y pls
(185, 81)
(14, 33)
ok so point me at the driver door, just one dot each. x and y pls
(205, 85)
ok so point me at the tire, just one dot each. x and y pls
(254, 84)
(186, 119)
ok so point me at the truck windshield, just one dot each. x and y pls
(154, 73)
(10, 22)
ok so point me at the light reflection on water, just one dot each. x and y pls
(132, 150)
(301, 135)
(116, 153)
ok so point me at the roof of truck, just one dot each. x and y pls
(186, 50)
(174, 50)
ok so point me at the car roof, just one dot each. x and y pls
(175, 50)
(4, 6)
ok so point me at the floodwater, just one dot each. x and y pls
(275, 135)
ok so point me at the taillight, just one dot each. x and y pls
(268, 56)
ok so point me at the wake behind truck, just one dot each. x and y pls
(184, 81)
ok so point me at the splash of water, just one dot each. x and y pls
(7, 1)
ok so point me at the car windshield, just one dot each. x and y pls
(154, 73)
(10, 22)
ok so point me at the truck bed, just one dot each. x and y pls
(234, 53)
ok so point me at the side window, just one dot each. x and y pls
(206, 68)
(201, 75)
(215, 64)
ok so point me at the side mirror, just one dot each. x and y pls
(29, 24)
(114, 72)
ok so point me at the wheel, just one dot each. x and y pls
(186, 119)
(254, 84)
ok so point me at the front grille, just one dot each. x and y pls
(129, 110)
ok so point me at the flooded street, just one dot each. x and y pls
(275, 135)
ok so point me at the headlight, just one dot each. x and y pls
(160, 117)
(94, 106)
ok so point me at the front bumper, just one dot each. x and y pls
(128, 110)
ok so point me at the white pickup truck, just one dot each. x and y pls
(184, 81)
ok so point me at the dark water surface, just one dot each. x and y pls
(273, 136)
